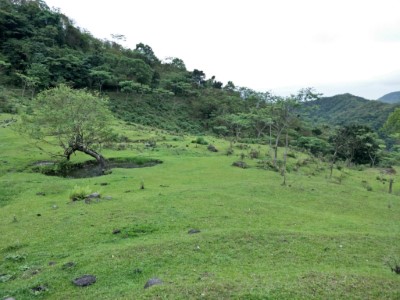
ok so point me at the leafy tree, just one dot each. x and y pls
(41, 73)
(100, 77)
(176, 63)
(284, 117)
(392, 124)
(261, 119)
(313, 144)
(198, 77)
(236, 123)
(147, 54)
(356, 144)
(74, 120)
(230, 86)
(27, 82)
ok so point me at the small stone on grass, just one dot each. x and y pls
(152, 281)
(85, 280)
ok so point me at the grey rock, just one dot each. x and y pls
(212, 148)
(93, 196)
(240, 164)
(153, 281)
(85, 280)
(193, 231)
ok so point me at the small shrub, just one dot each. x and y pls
(291, 154)
(240, 164)
(200, 140)
(150, 143)
(212, 148)
(366, 185)
(121, 146)
(5, 277)
(267, 165)
(229, 151)
(79, 193)
(243, 146)
(254, 154)
(16, 257)
(395, 266)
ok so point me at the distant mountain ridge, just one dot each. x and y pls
(393, 97)
(348, 109)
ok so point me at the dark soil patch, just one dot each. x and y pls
(91, 168)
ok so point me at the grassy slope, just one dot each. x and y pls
(316, 238)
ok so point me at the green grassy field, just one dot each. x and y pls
(315, 238)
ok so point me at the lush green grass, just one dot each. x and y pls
(314, 238)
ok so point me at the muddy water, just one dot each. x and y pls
(92, 168)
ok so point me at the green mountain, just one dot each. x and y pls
(348, 109)
(393, 97)
(41, 48)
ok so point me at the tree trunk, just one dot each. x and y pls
(285, 158)
(99, 158)
(332, 163)
(278, 136)
(270, 136)
(390, 185)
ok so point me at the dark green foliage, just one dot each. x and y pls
(347, 109)
(358, 144)
(313, 144)
(200, 140)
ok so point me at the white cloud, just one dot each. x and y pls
(261, 44)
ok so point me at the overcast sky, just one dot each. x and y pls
(336, 46)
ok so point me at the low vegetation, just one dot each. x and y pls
(194, 190)
(315, 237)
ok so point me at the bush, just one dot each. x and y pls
(254, 153)
(79, 193)
(240, 164)
(229, 151)
(200, 140)
(212, 148)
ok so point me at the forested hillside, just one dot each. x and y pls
(41, 48)
(393, 97)
(349, 109)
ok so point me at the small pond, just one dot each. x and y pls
(91, 168)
